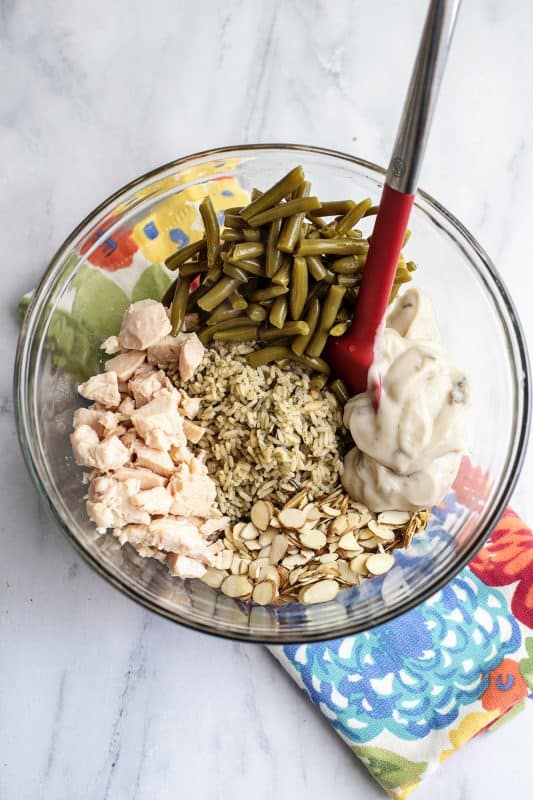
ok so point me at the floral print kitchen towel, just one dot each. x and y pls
(406, 695)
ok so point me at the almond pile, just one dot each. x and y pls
(309, 549)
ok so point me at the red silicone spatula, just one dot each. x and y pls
(351, 355)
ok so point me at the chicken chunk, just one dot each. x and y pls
(102, 388)
(83, 442)
(156, 460)
(165, 354)
(191, 355)
(126, 407)
(110, 454)
(147, 479)
(125, 364)
(143, 324)
(213, 525)
(155, 501)
(192, 431)
(189, 406)
(110, 345)
(109, 504)
(159, 423)
(104, 422)
(193, 490)
(184, 567)
(178, 535)
(145, 384)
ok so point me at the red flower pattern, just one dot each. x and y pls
(507, 558)
(115, 252)
(506, 687)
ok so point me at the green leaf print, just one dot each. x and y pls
(153, 283)
(390, 769)
(99, 303)
(526, 664)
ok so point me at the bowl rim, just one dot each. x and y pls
(523, 424)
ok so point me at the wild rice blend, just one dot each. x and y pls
(268, 432)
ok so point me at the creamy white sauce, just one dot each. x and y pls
(407, 453)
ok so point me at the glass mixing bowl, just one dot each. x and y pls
(112, 257)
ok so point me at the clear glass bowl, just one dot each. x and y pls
(80, 300)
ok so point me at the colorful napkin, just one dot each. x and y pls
(405, 696)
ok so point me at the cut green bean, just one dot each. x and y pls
(345, 266)
(234, 221)
(291, 231)
(251, 235)
(179, 305)
(185, 254)
(394, 292)
(167, 298)
(316, 267)
(246, 333)
(318, 382)
(299, 287)
(251, 265)
(353, 216)
(238, 302)
(327, 320)
(220, 292)
(256, 312)
(193, 268)
(273, 256)
(338, 247)
(247, 250)
(207, 333)
(281, 189)
(340, 391)
(283, 275)
(313, 313)
(372, 211)
(278, 312)
(284, 210)
(266, 355)
(213, 276)
(333, 208)
(212, 230)
(195, 296)
(234, 272)
(348, 280)
(339, 329)
(411, 266)
(254, 194)
(230, 235)
(268, 294)
(316, 364)
(297, 328)
(223, 312)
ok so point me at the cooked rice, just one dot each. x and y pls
(268, 432)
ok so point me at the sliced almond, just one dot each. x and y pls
(311, 512)
(214, 577)
(386, 534)
(339, 525)
(296, 499)
(275, 523)
(264, 593)
(264, 552)
(348, 542)
(358, 564)
(279, 547)
(330, 511)
(321, 592)
(261, 514)
(394, 518)
(265, 538)
(269, 573)
(295, 574)
(346, 573)
(292, 518)
(328, 558)
(238, 528)
(254, 570)
(235, 564)
(379, 563)
(328, 569)
(315, 540)
(226, 557)
(236, 586)
(248, 532)
(283, 575)
(253, 545)
(364, 533)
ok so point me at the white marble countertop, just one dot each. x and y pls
(100, 698)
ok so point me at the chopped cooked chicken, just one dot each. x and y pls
(189, 406)
(125, 364)
(112, 507)
(110, 454)
(192, 431)
(213, 525)
(104, 422)
(126, 407)
(143, 324)
(130, 438)
(145, 384)
(184, 567)
(110, 345)
(165, 354)
(159, 422)
(83, 441)
(102, 388)
(156, 460)
(147, 479)
(178, 535)
(193, 490)
(191, 355)
(156, 501)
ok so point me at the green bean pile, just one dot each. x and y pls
(278, 273)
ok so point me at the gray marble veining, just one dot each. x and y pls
(98, 698)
